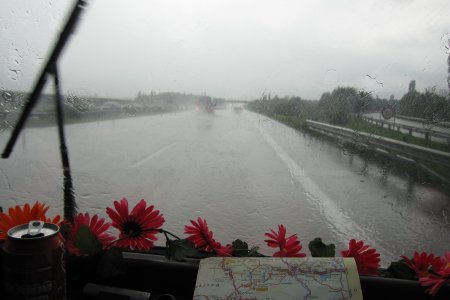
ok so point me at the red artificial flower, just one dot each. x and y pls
(422, 262)
(433, 282)
(367, 259)
(445, 260)
(436, 279)
(138, 229)
(203, 239)
(289, 247)
(18, 216)
(96, 226)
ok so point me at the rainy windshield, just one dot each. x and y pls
(329, 117)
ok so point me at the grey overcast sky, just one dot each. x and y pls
(232, 48)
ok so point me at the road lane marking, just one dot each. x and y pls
(152, 155)
(343, 226)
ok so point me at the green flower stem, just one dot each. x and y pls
(168, 232)
(208, 244)
(113, 242)
(167, 237)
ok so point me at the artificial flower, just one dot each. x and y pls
(434, 283)
(367, 259)
(139, 227)
(445, 260)
(289, 247)
(437, 277)
(18, 216)
(422, 262)
(202, 238)
(97, 226)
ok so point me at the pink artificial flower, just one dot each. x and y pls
(97, 227)
(139, 227)
(367, 259)
(289, 247)
(422, 262)
(437, 278)
(202, 238)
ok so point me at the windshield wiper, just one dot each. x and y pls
(50, 69)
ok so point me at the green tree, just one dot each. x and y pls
(448, 78)
(411, 103)
(435, 107)
(337, 107)
(412, 86)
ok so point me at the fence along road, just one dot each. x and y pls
(444, 135)
(393, 148)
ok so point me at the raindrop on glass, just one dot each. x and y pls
(18, 53)
(445, 42)
(131, 110)
(7, 96)
(14, 73)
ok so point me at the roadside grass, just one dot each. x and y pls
(364, 126)
(292, 121)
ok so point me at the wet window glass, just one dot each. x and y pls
(330, 117)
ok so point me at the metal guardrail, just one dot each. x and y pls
(393, 147)
(424, 121)
(411, 129)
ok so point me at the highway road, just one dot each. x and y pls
(243, 172)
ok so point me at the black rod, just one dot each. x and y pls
(34, 96)
(70, 206)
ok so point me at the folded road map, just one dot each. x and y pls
(277, 278)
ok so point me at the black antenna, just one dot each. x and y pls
(70, 206)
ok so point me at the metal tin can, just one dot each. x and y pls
(34, 262)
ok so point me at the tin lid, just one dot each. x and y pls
(33, 230)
